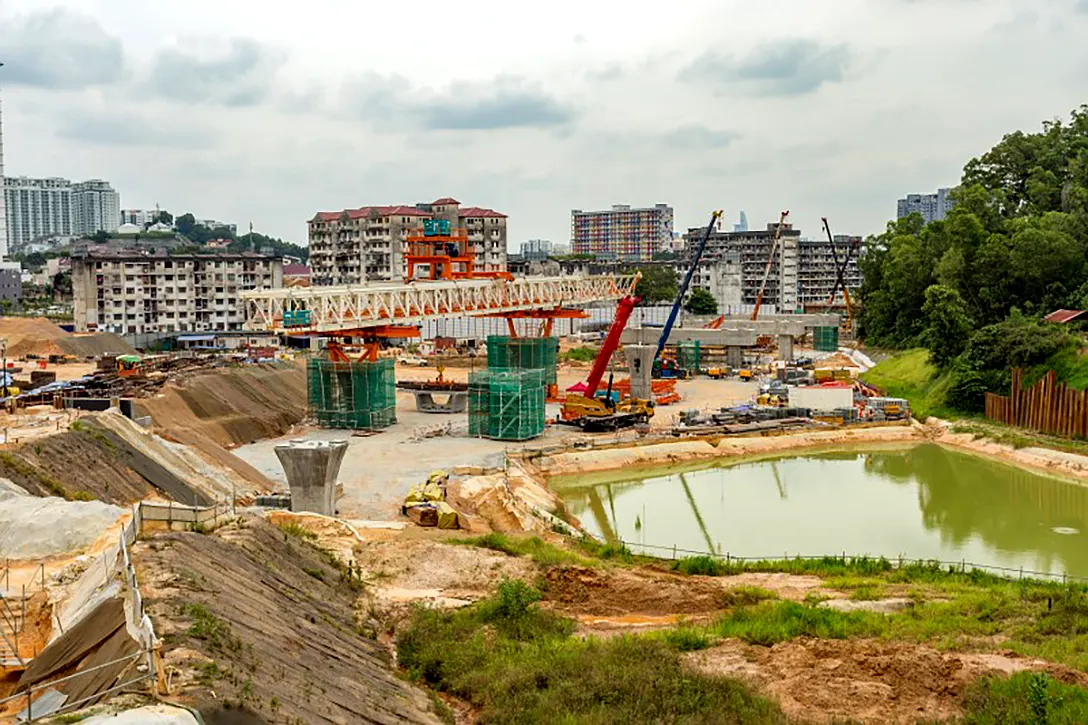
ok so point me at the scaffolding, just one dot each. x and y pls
(689, 356)
(354, 395)
(506, 405)
(825, 339)
(524, 353)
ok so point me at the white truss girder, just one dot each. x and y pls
(360, 306)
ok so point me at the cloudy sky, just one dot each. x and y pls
(245, 110)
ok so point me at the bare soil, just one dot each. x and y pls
(578, 590)
(870, 681)
(280, 629)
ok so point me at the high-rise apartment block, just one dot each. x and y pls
(370, 243)
(802, 271)
(536, 250)
(622, 233)
(129, 293)
(58, 207)
(932, 207)
(3, 195)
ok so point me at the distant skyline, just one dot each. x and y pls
(235, 112)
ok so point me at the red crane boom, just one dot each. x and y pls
(611, 342)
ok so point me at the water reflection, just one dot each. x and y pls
(925, 501)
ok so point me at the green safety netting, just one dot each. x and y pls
(523, 353)
(356, 395)
(507, 405)
(825, 339)
(689, 355)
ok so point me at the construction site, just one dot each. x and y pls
(251, 536)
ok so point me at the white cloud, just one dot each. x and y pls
(232, 111)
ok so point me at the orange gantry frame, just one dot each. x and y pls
(446, 256)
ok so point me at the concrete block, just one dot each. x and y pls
(640, 363)
(311, 468)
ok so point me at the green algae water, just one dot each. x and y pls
(923, 502)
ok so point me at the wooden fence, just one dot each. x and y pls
(1046, 407)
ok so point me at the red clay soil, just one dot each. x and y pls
(611, 592)
(870, 681)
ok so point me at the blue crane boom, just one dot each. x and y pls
(684, 286)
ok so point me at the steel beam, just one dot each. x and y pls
(362, 306)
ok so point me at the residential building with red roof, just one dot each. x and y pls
(368, 244)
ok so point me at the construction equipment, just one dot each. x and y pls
(719, 373)
(667, 330)
(840, 275)
(590, 412)
(744, 374)
(770, 263)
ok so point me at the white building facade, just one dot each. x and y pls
(133, 294)
(38, 208)
(932, 207)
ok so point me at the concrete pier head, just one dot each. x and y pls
(312, 468)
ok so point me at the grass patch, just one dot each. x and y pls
(518, 663)
(909, 374)
(700, 566)
(315, 573)
(769, 624)
(299, 531)
(1026, 698)
(687, 639)
(210, 628)
(746, 596)
(535, 548)
(579, 354)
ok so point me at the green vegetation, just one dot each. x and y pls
(210, 628)
(519, 663)
(769, 624)
(580, 354)
(1026, 698)
(973, 287)
(545, 554)
(701, 302)
(299, 531)
(659, 283)
(910, 375)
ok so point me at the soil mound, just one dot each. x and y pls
(231, 406)
(611, 592)
(39, 337)
(823, 681)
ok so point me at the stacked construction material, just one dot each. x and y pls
(507, 405)
(825, 339)
(689, 356)
(523, 353)
(355, 395)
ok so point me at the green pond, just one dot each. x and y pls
(924, 502)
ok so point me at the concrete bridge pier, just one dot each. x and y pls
(785, 347)
(734, 356)
(312, 468)
(640, 360)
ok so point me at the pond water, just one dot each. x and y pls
(922, 502)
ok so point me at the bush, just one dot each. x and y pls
(1026, 698)
(700, 566)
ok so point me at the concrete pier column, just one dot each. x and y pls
(734, 356)
(640, 360)
(311, 468)
(785, 347)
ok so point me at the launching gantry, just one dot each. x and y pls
(356, 307)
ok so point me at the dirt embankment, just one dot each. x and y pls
(39, 337)
(251, 615)
(74, 464)
(668, 453)
(230, 407)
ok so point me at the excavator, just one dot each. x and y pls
(592, 413)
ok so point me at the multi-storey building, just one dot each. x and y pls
(536, 250)
(130, 293)
(3, 196)
(214, 224)
(57, 207)
(802, 272)
(932, 207)
(369, 243)
(622, 233)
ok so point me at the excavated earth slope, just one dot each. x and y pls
(250, 615)
(230, 406)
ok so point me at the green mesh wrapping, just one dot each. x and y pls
(356, 395)
(523, 353)
(507, 405)
(825, 339)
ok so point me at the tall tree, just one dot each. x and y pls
(701, 302)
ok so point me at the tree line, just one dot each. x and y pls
(973, 288)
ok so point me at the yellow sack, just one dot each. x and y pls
(447, 517)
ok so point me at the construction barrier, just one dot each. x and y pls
(353, 395)
(1046, 407)
(825, 339)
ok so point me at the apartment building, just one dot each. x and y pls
(58, 207)
(622, 233)
(369, 243)
(133, 293)
(932, 207)
(801, 273)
